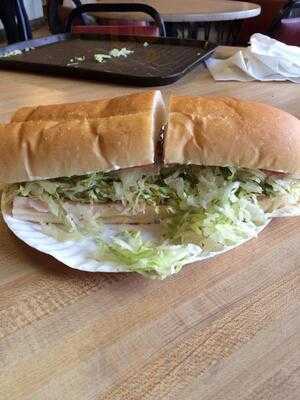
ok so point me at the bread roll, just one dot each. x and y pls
(223, 131)
(43, 149)
(49, 149)
(124, 105)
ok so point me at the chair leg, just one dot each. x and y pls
(23, 21)
(221, 29)
(207, 29)
(10, 28)
(234, 30)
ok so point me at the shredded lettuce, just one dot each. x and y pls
(88, 227)
(283, 190)
(217, 207)
(130, 251)
(208, 208)
(133, 189)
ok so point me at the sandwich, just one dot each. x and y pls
(240, 163)
(226, 168)
(78, 163)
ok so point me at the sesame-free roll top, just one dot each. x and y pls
(43, 149)
(224, 131)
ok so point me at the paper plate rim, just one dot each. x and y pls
(83, 263)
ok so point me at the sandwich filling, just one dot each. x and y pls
(212, 207)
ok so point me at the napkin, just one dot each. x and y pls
(265, 59)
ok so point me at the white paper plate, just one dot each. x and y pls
(290, 211)
(80, 254)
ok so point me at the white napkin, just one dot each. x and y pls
(265, 59)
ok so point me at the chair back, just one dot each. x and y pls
(119, 8)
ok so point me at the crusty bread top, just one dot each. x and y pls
(125, 136)
(224, 131)
(123, 105)
(50, 149)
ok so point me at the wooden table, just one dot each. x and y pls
(222, 329)
(195, 10)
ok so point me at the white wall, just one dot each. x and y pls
(34, 9)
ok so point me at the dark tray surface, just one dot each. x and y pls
(163, 60)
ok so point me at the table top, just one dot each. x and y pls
(221, 329)
(196, 10)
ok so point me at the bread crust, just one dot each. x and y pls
(43, 149)
(212, 131)
(49, 149)
(223, 131)
(122, 105)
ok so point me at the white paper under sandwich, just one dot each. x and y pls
(80, 254)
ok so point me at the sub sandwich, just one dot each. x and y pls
(212, 172)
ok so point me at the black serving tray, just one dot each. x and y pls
(163, 61)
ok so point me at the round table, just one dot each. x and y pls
(184, 18)
(195, 10)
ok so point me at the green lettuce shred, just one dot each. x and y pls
(129, 250)
(210, 207)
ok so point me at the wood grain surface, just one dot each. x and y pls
(225, 329)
